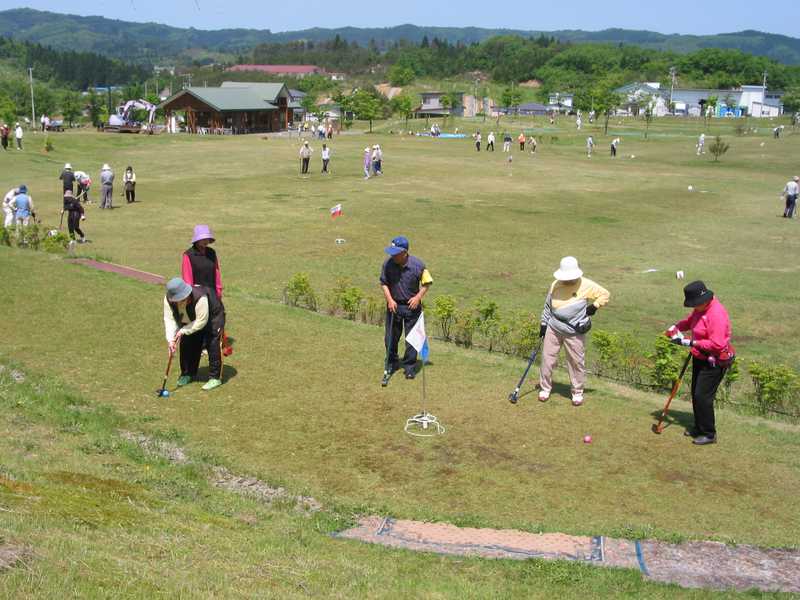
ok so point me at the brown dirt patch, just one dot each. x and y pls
(12, 555)
(121, 270)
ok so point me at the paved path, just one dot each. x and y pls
(693, 564)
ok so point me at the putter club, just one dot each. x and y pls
(659, 427)
(514, 396)
(160, 391)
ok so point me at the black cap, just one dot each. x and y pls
(696, 293)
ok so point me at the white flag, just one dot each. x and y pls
(418, 339)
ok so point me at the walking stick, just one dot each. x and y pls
(61, 223)
(658, 428)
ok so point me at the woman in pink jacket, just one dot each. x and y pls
(712, 354)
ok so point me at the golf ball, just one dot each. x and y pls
(587, 439)
(165, 393)
(691, 188)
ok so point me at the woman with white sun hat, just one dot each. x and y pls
(566, 318)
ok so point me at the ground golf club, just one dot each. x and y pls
(514, 396)
(659, 427)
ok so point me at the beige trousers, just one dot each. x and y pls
(575, 349)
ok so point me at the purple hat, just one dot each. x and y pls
(202, 232)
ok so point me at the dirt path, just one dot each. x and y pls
(693, 564)
(121, 270)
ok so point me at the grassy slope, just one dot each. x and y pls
(302, 407)
(102, 519)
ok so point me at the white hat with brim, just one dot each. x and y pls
(568, 270)
(106, 167)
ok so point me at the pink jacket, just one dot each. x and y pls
(188, 275)
(711, 330)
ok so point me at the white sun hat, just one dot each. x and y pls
(106, 167)
(568, 269)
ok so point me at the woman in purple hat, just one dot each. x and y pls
(200, 264)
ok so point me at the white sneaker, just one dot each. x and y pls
(577, 399)
(544, 396)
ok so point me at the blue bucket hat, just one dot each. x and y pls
(177, 290)
(399, 245)
(23, 189)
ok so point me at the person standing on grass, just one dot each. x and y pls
(67, 178)
(478, 142)
(377, 160)
(404, 282)
(521, 140)
(326, 158)
(614, 144)
(506, 142)
(4, 131)
(791, 190)
(18, 134)
(532, 144)
(107, 187)
(75, 214)
(567, 316)
(23, 207)
(490, 141)
(129, 182)
(84, 183)
(712, 355)
(589, 146)
(200, 265)
(194, 318)
(8, 207)
(701, 144)
(305, 157)
(367, 162)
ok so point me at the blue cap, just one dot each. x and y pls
(23, 189)
(399, 245)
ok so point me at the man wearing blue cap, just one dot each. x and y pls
(192, 317)
(404, 281)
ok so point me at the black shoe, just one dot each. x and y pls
(692, 433)
(704, 439)
(410, 374)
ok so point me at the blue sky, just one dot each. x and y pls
(665, 17)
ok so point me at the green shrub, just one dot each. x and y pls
(776, 386)
(464, 325)
(666, 362)
(732, 375)
(444, 311)
(488, 321)
(29, 237)
(345, 298)
(373, 310)
(619, 356)
(298, 292)
(6, 236)
(524, 334)
(48, 144)
(55, 243)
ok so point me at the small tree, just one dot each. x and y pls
(71, 107)
(400, 76)
(718, 148)
(648, 118)
(403, 105)
(8, 111)
(511, 97)
(309, 104)
(95, 107)
(605, 102)
(366, 106)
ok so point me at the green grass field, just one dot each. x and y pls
(302, 406)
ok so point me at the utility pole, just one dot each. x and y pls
(33, 105)
(764, 96)
(672, 72)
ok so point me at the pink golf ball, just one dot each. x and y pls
(587, 439)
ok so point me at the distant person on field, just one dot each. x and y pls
(194, 318)
(614, 144)
(532, 144)
(567, 316)
(4, 131)
(18, 134)
(23, 207)
(305, 157)
(326, 158)
(506, 142)
(129, 183)
(43, 121)
(107, 189)
(478, 141)
(777, 131)
(701, 144)
(84, 183)
(712, 355)
(490, 141)
(67, 178)
(75, 214)
(367, 162)
(578, 123)
(790, 191)
(377, 160)
(521, 141)
(589, 146)
(8, 207)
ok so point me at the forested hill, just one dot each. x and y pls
(151, 42)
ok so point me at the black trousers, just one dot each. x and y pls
(705, 381)
(402, 320)
(73, 224)
(489, 146)
(305, 166)
(130, 195)
(192, 347)
(613, 150)
(791, 202)
(325, 162)
(478, 146)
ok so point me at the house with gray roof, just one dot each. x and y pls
(234, 107)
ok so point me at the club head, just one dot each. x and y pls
(657, 428)
(513, 397)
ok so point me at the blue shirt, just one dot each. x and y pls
(23, 204)
(403, 281)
